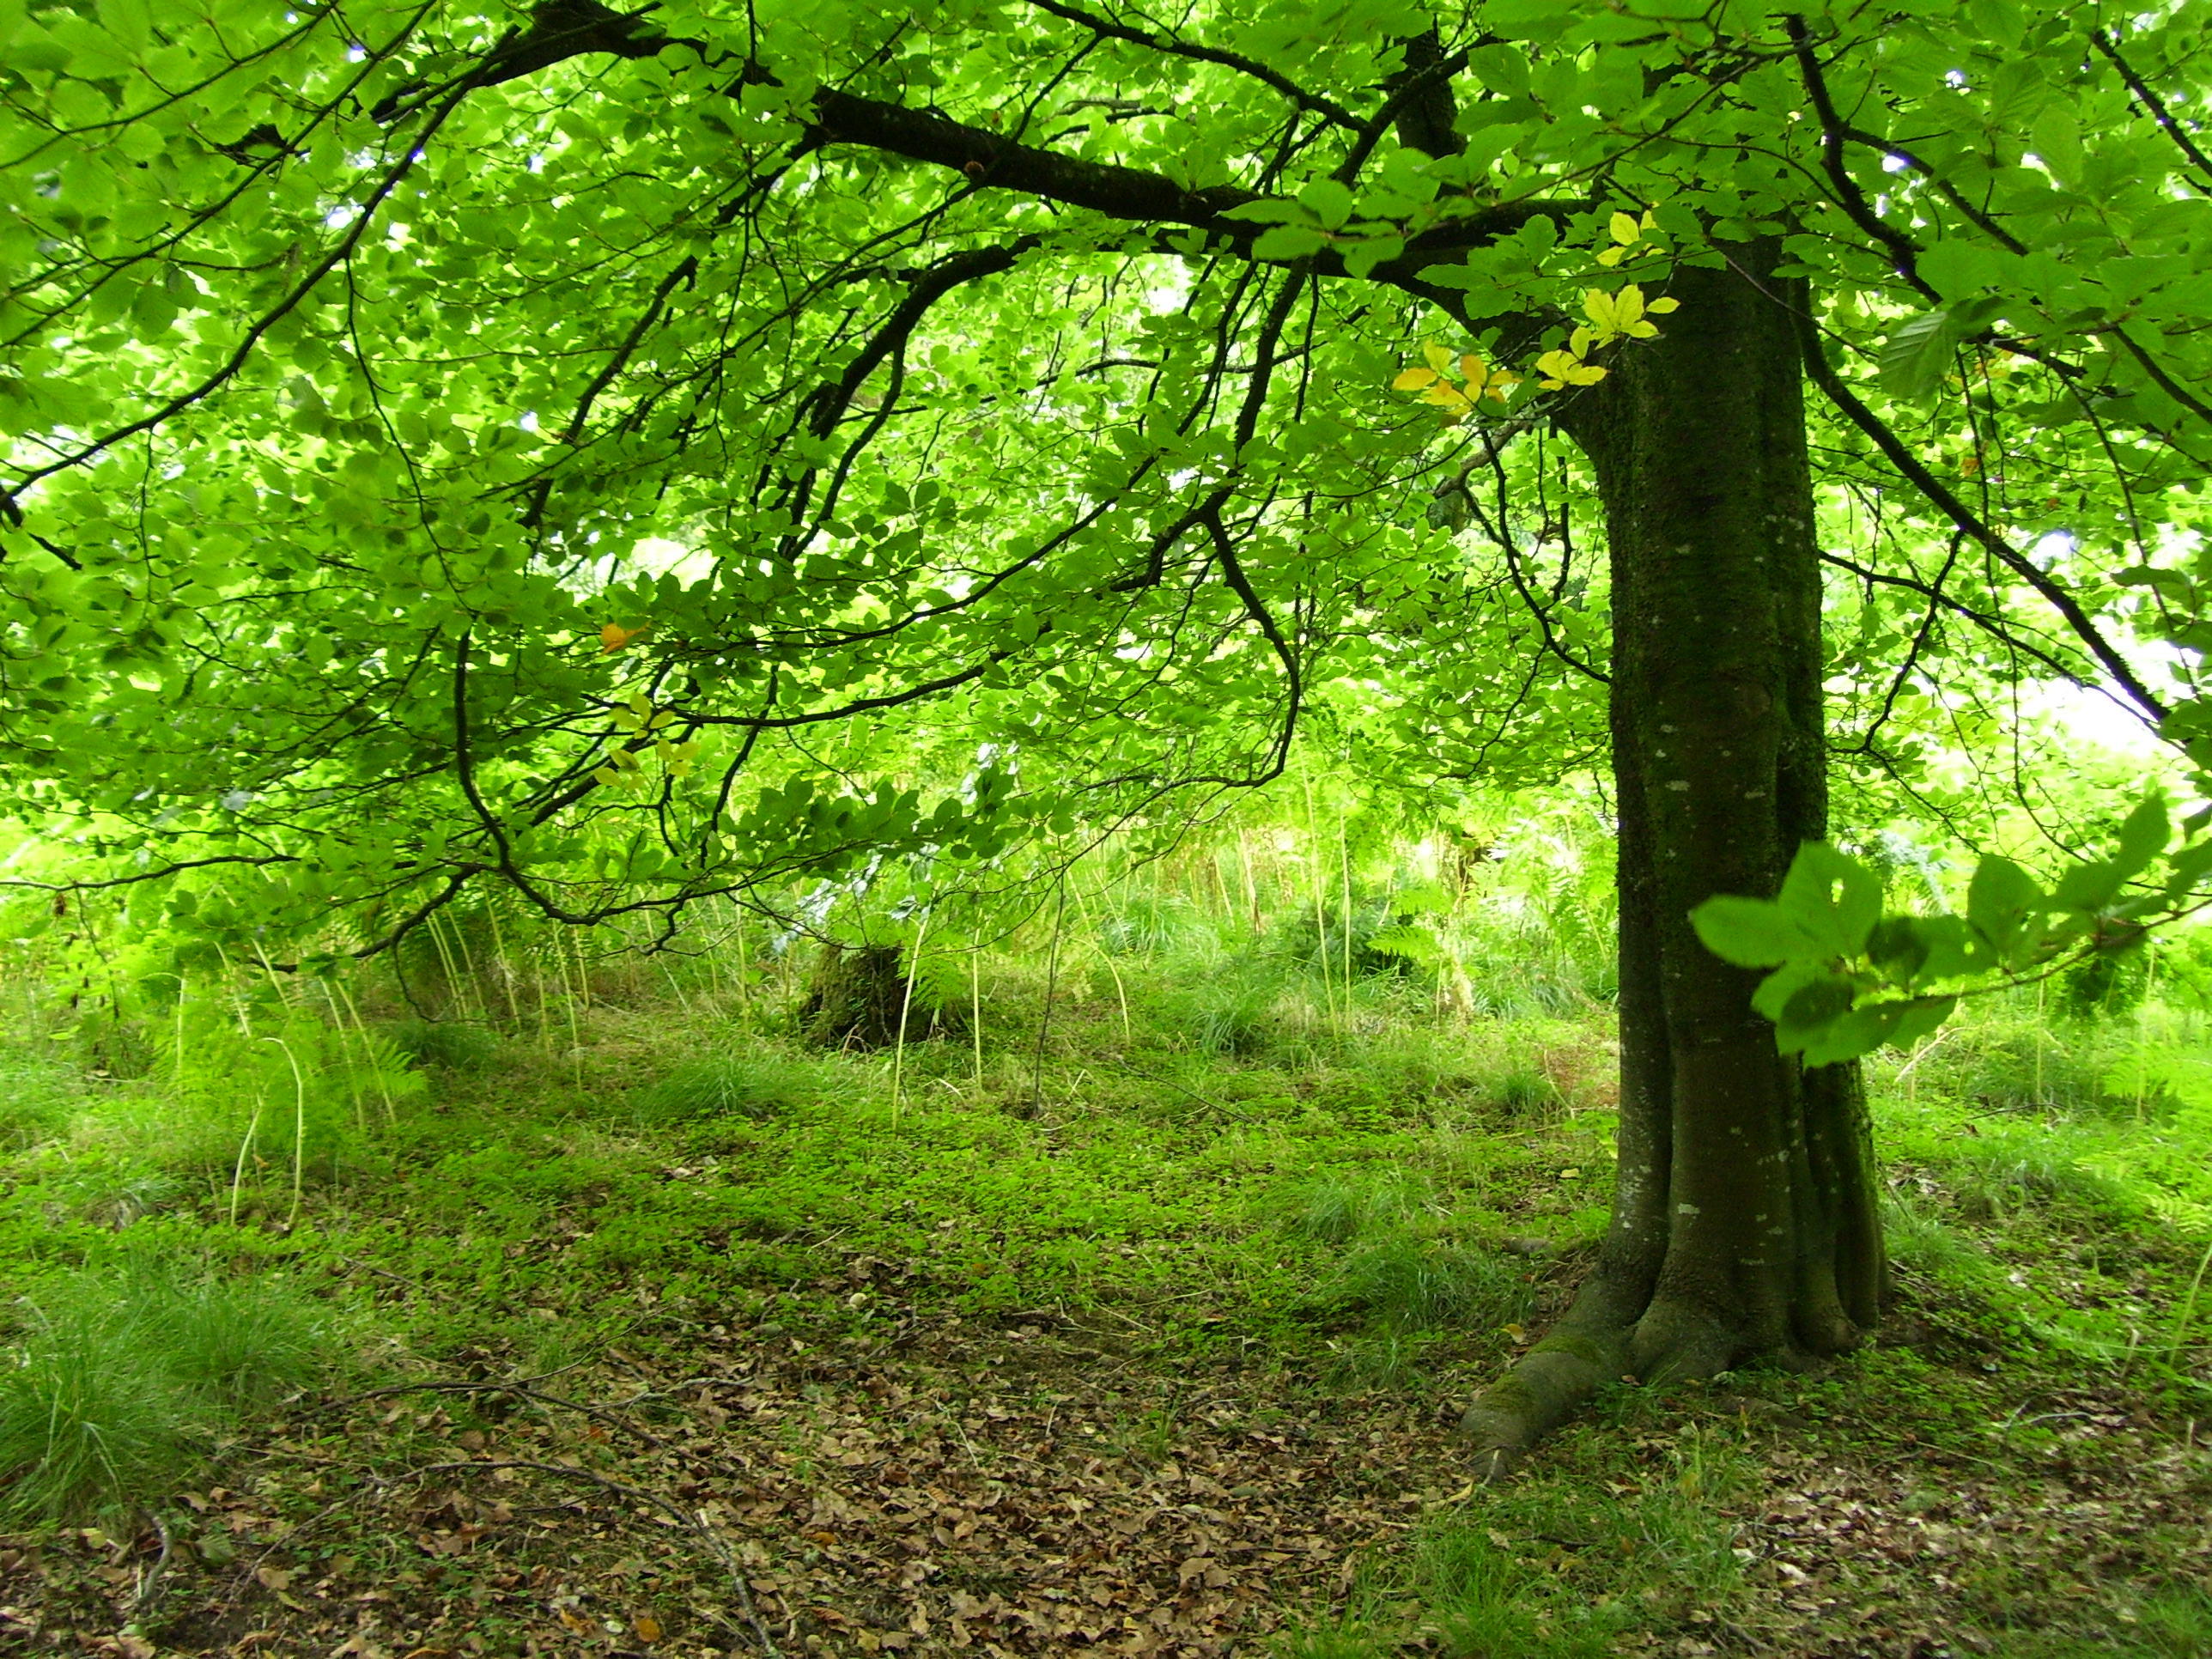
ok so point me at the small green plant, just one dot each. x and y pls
(85, 1424)
(236, 1344)
(1335, 1207)
(1523, 1091)
(1357, 1100)
(728, 1085)
(2176, 1623)
(447, 1044)
(115, 1388)
(37, 1097)
(1404, 1282)
(1233, 1015)
(1389, 1360)
(111, 1196)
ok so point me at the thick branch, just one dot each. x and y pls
(1427, 118)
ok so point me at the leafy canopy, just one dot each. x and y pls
(637, 458)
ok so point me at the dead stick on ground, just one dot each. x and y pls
(691, 1522)
(601, 1413)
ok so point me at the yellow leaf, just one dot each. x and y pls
(614, 637)
(1661, 308)
(647, 1628)
(1580, 342)
(1413, 379)
(1472, 368)
(1554, 366)
(1561, 369)
(1625, 230)
(1439, 359)
(1445, 395)
(1612, 255)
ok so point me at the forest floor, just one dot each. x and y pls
(1139, 1344)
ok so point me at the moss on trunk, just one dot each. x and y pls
(860, 995)
(1744, 1221)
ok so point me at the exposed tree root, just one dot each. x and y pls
(1669, 1341)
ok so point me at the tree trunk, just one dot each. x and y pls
(1744, 1221)
(860, 997)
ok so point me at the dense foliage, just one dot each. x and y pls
(638, 458)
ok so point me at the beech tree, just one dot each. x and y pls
(455, 444)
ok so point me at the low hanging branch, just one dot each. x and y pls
(1900, 455)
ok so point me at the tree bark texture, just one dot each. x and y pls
(861, 996)
(1744, 1221)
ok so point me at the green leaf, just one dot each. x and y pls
(1502, 67)
(1922, 1019)
(1916, 356)
(1410, 941)
(2143, 836)
(1289, 242)
(1955, 269)
(1899, 947)
(2184, 869)
(1751, 933)
(1328, 201)
(1774, 992)
(2056, 140)
(2087, 887)
(1846, 1036)
(1811, 1010)
(1361, 258)
(1834, 899)
(2006, 907)
(1955, 949)
(1268, 211)
(1422, 898)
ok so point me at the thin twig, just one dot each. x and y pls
(690, 1522)
(527, 1393)
(152, 1582)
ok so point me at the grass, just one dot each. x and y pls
(119, 1385)
(720, 1086)
(1221, 1158)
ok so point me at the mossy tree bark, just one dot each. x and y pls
(861, 996)
(1744, 1221)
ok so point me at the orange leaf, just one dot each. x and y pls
(647, 1628)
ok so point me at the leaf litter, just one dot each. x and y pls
(1034, 1485)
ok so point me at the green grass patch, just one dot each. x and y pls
(114, 1389)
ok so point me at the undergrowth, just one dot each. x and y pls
(1375, 1168)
